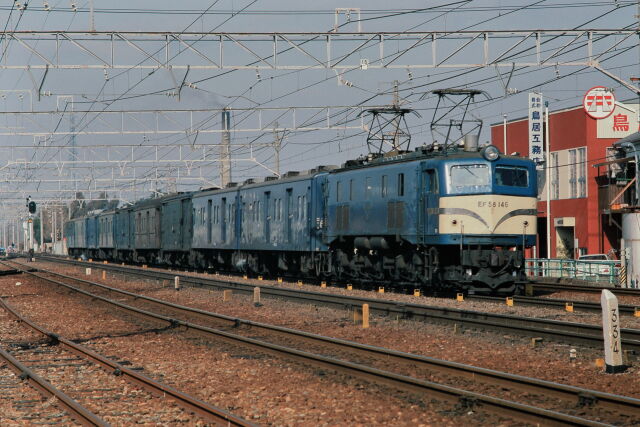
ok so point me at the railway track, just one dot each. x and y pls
(555, 303)
(82, 373)
(365, 361)
(561, 287)
(35, 410)
(566, 332)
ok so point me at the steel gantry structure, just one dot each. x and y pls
(126, 169)
(301, 50)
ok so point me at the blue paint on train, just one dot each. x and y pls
(373, 219)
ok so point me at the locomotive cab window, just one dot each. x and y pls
(432, 186)
(469, 178)
(512, 176)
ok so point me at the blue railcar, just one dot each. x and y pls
(91, 235)
(215, 232)
(274, 224)
(176, 225)
(74, 235)
(147, 242)
(124, 233)
(106, 241)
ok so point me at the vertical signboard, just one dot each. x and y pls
(536, 146)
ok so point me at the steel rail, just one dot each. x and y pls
(208, 412)
(571, 332)
(75, 409)
(553, 302)
(563, 287)
(575, 394)
(496, 405)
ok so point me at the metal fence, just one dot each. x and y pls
(602, 272)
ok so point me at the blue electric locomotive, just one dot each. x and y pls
(459, 220)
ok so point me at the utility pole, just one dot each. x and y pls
(225, 150)
(504, 132)
(92, 22)
(41, 229)
(548, 179)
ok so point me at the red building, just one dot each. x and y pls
(581, 188)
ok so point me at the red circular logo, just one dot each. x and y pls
(599, 102)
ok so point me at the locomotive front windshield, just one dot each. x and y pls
(469, 178)
(512, 176)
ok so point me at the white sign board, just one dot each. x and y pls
(536, 138)
(599, 102)
(622, 122)
(611, 333)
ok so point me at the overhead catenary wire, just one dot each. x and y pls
(379, 94)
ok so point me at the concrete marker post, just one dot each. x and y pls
(256, 295)
(365, 316)
(176, 283)
(611, 332)
(87, 271)
(104, 275)
(226, 295)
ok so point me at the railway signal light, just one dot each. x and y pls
(32, 207)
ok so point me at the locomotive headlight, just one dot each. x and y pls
(491, 153)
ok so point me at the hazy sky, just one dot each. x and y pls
(562, 86)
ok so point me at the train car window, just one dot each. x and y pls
(400, 184)
(367, 187)
(512, 176)
(304, 207)
(290, 203)
(209, 217)
(469, 177)
(338, 191)
(383, 186)
(256, 211)
(350, 190)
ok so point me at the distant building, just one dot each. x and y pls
(585, 218)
